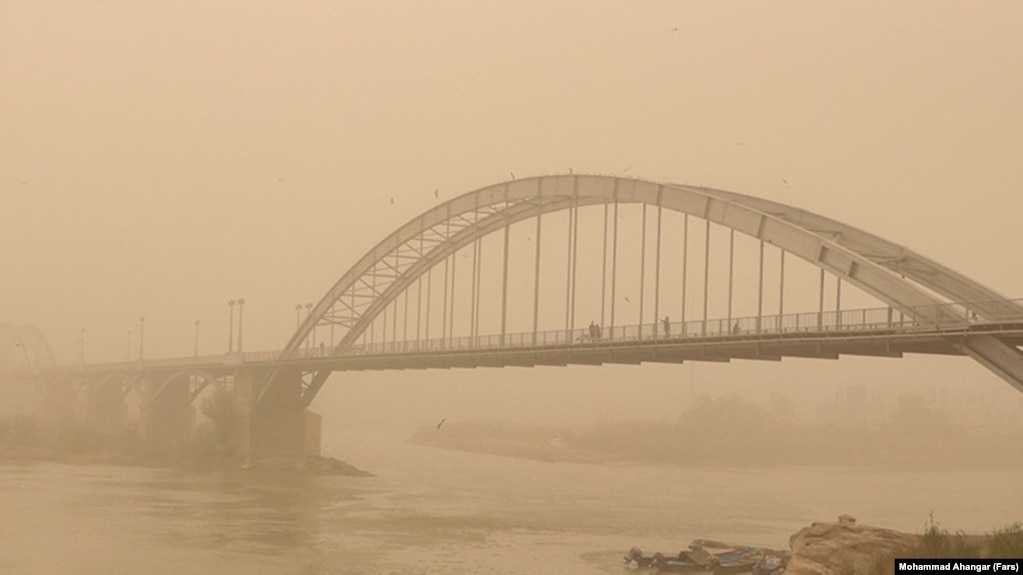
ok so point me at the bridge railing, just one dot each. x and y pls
(930, 317)
(950, 315)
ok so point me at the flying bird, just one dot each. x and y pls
(627, 299)
(784, 181)
(441, 422)
(392, 200)
(512, 175)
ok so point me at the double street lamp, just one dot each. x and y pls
(230, 332)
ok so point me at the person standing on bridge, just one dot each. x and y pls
(667, 326)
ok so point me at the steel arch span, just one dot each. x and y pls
(915, 285)
(24, 346)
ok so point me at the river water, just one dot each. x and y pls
(436, 511)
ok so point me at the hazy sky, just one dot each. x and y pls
(159, 159)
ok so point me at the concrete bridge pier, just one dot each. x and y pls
(167, 417)
(274, 426)
(105, 408)
(57, 400)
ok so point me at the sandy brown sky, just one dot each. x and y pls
(158, 159)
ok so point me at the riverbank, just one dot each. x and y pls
(845, 546)
(740, 441)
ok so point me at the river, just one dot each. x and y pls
(435, 511)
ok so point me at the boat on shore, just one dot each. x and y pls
(708, 556)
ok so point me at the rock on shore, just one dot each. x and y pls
(843, 547)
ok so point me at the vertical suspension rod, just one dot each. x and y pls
(642, 271)
(394, 323)
(504, 279)
(685, 267)
(760, 288)
(614, 265)
(706, 275)
(404, 322)
(451, 306)
(731, 261)
(419, 292)
(657, 271)
(575, 253)
(536, 275)
(568, 271)
(429, 285)
(820, 312)
(479, 289)
(472, 296)
(781, 289)
(444, 324)
(838, 301)
(372, 325)
(603, 274)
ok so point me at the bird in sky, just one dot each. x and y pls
(392, 200)
(441, 422)
(627, 299)
(512, 175)
(784, 181)
(674, 29)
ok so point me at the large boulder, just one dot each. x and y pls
(843, 548)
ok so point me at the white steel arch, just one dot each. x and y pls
(891, 273)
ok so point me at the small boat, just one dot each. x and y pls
(636, 560)
(708, 556)
(771, 564)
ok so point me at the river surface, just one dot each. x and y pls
(436, 511)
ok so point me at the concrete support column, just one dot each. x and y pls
(167, 415)
(106, 408)
(275, 427)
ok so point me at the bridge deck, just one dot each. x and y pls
(871, 332)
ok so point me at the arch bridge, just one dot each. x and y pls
(506, 274)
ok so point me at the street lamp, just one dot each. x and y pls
(196, 338)
(241, 308)
(142, 336)
(230, 329)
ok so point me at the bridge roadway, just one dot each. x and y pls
(882, 332)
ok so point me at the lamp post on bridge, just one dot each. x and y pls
(230, 328)
(241, 308)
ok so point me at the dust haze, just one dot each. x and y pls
(158, 160)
